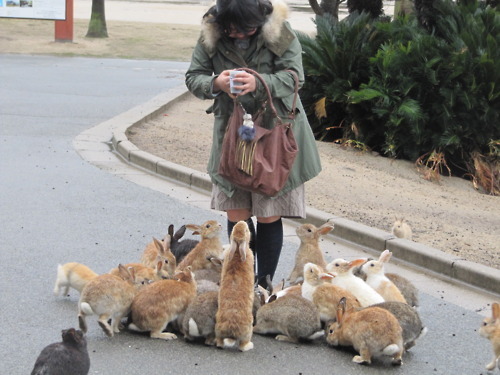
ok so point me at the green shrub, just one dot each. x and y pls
(412, 93)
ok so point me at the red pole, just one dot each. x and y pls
(64, 29)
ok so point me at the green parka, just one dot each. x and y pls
(272, 51)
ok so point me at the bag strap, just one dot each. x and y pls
(268, 92)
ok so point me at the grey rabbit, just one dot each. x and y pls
(408, 319)
(180, 248)
(70, 356)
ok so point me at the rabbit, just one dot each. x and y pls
(199, 319)
(309, 250)
(402, 229)
(143, 273)
(161, 303)
(204, 285)
(490, 329)
(70, 356)
(209, 246)
(109, 297)
(234, 318)
(408, 319)
(373, 332)
(74, 275)
(292, 317)
(409, 291)
(180, 248)
(324, 295)
(212, 272)
(405, 286)
(375, 277)
(159, 250)
(345, 278)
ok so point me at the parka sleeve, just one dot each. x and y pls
(200, 74)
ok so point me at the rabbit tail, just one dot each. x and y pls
(316, 335)
(86, 309)
(391, 350)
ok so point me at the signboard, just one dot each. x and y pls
(39, 9)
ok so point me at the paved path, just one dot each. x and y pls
(57, 207)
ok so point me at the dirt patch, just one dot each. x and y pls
(363, 187)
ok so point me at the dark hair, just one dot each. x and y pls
(243, 15)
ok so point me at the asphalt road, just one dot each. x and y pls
(56, 207)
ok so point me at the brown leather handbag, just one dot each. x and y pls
(262, 164)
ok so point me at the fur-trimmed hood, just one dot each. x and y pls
(271, 30)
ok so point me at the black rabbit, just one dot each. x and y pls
(180, 248)
(67, 357)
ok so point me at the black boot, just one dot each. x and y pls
(268, 244)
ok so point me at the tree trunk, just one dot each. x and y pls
(97, 25)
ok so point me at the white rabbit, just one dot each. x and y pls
(375, 277)
(109, 297)
(209, 246)
(309, 250)
(373, 332)
(72, 275)
(344, 277)
(402, 229)
(234, 317)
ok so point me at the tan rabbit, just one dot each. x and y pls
(372, 332)
(209, 246)
(324, 295)
(144, 273)
(109, 297)
(402, 229)
(309, 250)
(159, 250)
(491, 330)
(161, 303)
(375, 277)
(234, 317)
(72, 275)
(344, 277)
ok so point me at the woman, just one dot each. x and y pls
(253, 34)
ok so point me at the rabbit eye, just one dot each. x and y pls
(331, 331)
(337, 265)
(166, 261)
(207, 226)
(309, 230)
(372, 265)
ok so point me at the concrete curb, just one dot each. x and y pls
(428, 258)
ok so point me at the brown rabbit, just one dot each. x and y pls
(309, 250)
(143, 273)
(373, 332)
(109, 297)
(324, 295)
(375, 277)
(209, 246)
(67, 357)
(491, 330)
(72, 275)
(159, 250)
(162, 302)
(234, 317)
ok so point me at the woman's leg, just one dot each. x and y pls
(268, 244)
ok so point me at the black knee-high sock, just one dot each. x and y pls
(269, 242)
(251, 227)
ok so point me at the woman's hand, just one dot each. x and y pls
(246, 80)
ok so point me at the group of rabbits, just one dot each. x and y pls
(206, 291)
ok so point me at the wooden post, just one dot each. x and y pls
(64, 29)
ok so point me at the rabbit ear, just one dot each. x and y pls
(495, 311)
(195, 228)
(180, 232)
(326, 228)
(242, 249)
(272, 298)
(171, 230)
(385, 256)
(341, 310)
